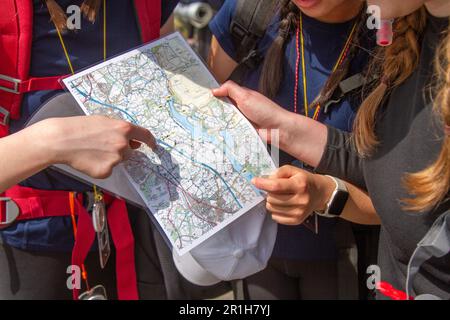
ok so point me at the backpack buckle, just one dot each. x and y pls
(4, 117)
(9, 212)
(238, 30)
(252, 60)
(14, 88)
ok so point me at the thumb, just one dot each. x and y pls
(229, 89)
(285, 172)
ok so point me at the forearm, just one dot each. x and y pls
(22, 156)
(358, 209)
(303, 138)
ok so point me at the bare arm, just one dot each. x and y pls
(220, 63)
(93, 145)
(16, 164)
(359, 207)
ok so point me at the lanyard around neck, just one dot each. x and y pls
(300, 46)
(64, 47)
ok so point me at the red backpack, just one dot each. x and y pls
(16, 31)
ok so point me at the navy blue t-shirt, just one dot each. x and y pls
(85, 47)
(323, 44)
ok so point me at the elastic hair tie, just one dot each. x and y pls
(283, 33)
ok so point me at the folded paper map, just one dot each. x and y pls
(197, 180)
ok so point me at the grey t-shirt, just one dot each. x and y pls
(411, 138)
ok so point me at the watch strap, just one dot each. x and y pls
(337, 201)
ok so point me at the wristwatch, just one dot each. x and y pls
(337, 201)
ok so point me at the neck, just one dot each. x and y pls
(438, 8)
(346, 11)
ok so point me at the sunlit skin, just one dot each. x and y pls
(292, 193)
(93, 145)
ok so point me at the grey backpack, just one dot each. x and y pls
(436, 243)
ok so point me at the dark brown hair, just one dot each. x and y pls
(272, 72)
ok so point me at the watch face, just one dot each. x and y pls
(338, 203)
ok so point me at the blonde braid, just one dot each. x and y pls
(399, 62)
(431, 186)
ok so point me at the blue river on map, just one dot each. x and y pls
(203, 135)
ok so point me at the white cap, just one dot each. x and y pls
(192, 271)
(239, 250)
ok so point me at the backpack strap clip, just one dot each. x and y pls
(346, 86)
(252, 60)
(14, 88)
(237, 30)
(9, 212)
(4, 116)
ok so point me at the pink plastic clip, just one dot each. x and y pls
(385, 34)
(389, 291)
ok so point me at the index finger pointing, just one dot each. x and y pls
(143, 135)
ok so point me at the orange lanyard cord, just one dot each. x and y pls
(305, 85)
(301, 56)
(84, 273)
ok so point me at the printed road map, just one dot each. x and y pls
(198, 179)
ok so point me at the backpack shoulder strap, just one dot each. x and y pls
(436, 243)
(248, 27)
(16, 31)
(148, 13)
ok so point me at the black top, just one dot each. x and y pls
(411, 138)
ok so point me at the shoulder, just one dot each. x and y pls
(228, 7)
(220, 27)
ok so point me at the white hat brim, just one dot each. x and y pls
(192, 271)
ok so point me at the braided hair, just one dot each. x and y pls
(393, 65)
(272, 72)
(273, 68)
